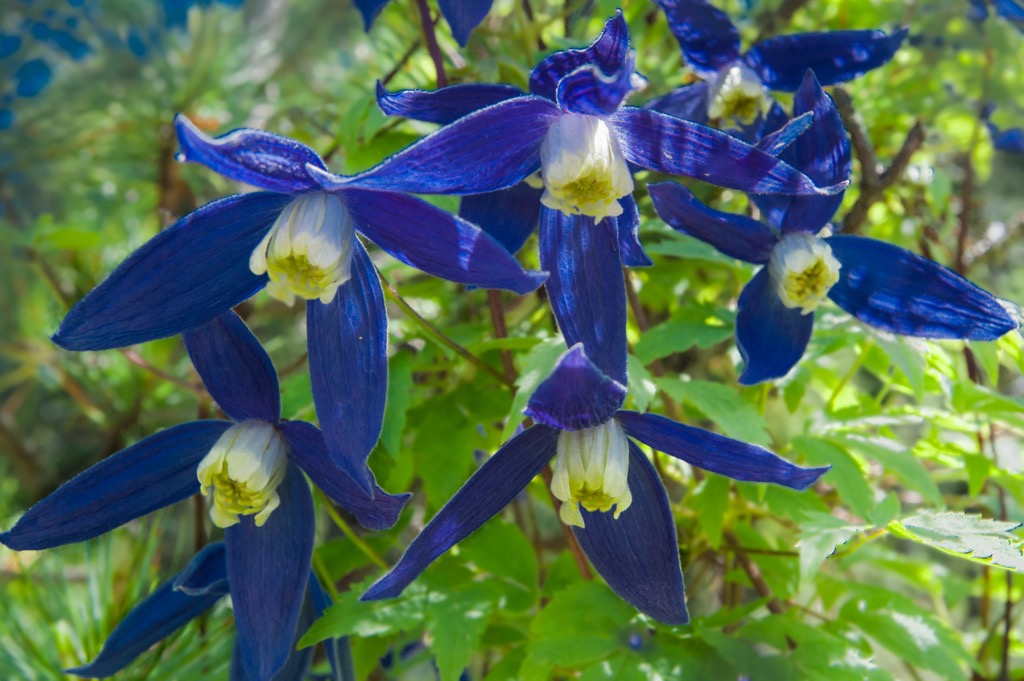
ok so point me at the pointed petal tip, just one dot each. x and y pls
(327, 180)
(805, 477)
(834, 189)
(382, 589)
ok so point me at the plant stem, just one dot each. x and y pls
(431, 39)
(347, 530)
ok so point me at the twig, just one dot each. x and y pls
(873, 183)
(431, 38)
(402, 61)
(347, 530)
(501, 331)
(754, 573)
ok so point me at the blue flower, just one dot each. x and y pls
(597, 467)
(1010, 10)
(252, 469)
(189, 594)
(735, 86)
(295, 238)
(1010, 140)
(462, 15)
(575, 132)
(878, 283)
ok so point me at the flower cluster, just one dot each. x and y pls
(561, 159)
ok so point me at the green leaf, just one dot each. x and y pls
(680, 335)
(350, 616)
(534, 367)
(845, 473)
(979, 467)
(685, 246)
(722, 405)
(501, 549)
(710, 501)
(820, 534)
(977, 539)
(399, 398)
(896, 458)
(642, 387)
(456, 618)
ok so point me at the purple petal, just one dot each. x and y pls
(706, 35)
(735, 235)
(589, 90)
(377, 511)
(638, 554)
(689, 102)
(180, 279)
(823, 154)
(487, 150)
(235, 368)
(463, 16)
(716, 453)
(370, 9)
(586, 287)
(444, 105)
(161, 614)
(206, 573)
(436, 241)
(348, 367)
(628, 225)
(834, 56)
(262, 159)
(608, 53)
(155, 472)
(671, 145)
(904, 293)
(489, 490)
(786, 131)
(268, 570)
(576, 395)
(771, 337)
(510, 215)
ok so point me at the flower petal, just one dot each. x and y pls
(823, 154)
(444, 105)
(487, 150)
(155, 472)
(628, 225)
(436, 241)
(689, 102)
(235, 368)
(369, 9)
(268, 570)
(902, 292)
(348, 367)
(786, 131)
(706, 35)
(576, 395)
(161, 614)
(586, 287)
(735, 235)
(638, 553)
(834, 56)
(510, 215)
(206, 573)
(378, 511)
(463, 16)
(771, 337)
(489, 490)
(589, 90)
(716, 453)
(608, 53)
(671, 145)
(262, 159)
(180, 279)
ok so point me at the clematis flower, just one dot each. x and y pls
(297, 239)
(251, 468)
(611, 494)
(462, 15)
(1010, 139)
(572, 130)
(735, 86)
(188, 595)
(1010, 10)
(878, 283)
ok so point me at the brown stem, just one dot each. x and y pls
(431, 39)
(402, 61)
(754, 573)
(501, 331)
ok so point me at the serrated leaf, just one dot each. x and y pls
(896, 458)
(722, 405)
(456, 619)
(820, 535)
(679, 335)
(977, 539)
(350, 616)
(501, 549)
(534, 367)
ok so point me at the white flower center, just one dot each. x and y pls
(242, 472)
(737, 92)
(582, 167)
(804, 270)
(590, 471)
(308, 251)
